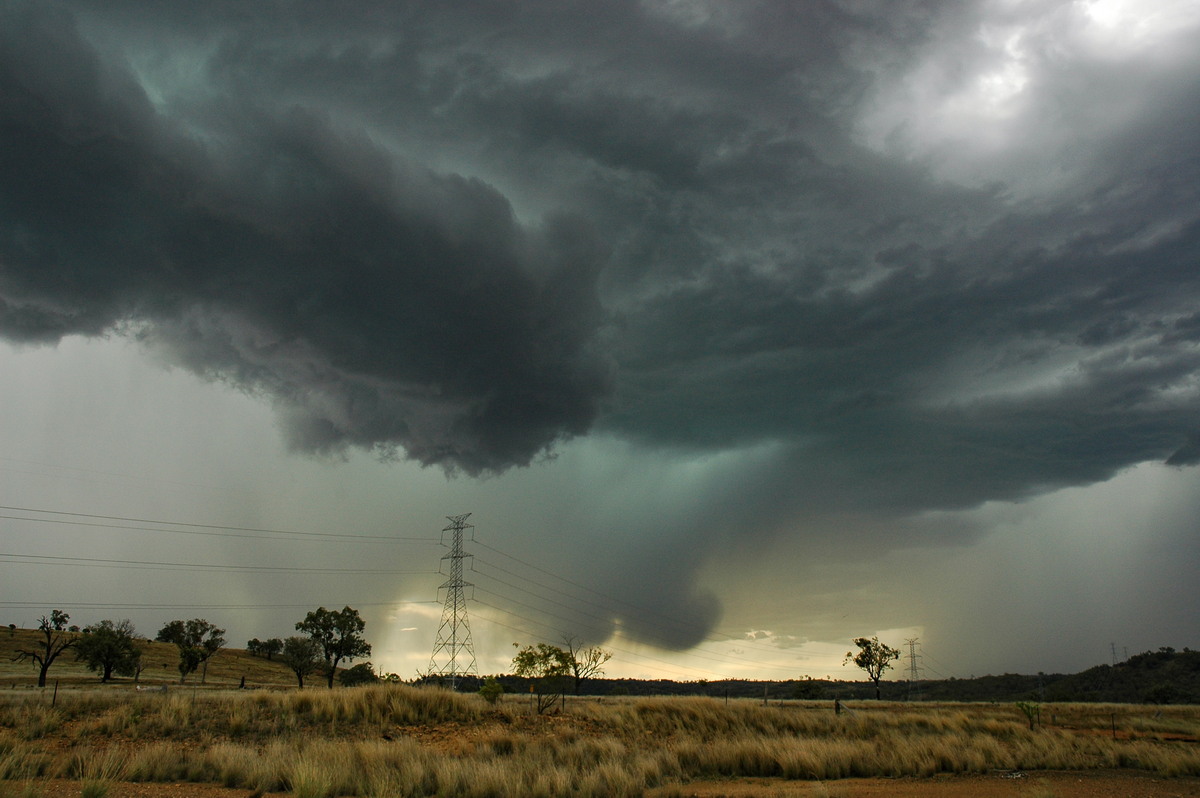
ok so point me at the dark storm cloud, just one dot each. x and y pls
(472, 231)
(383, 304)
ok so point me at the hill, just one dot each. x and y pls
(1165, 676)
(227, 667)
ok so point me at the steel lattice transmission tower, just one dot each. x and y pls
(914, 670)
(453, 655)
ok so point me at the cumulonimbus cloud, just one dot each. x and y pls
(381, 303)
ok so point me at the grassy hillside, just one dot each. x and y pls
(226, 668)
(1165, 676)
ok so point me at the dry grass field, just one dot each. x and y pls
(79, 738)
(397, 740)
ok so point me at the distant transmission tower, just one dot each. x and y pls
(914, 671)
(453, 654)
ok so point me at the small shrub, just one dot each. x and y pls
(491, 690)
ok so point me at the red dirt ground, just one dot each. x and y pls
(1044, 784)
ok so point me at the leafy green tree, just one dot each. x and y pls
(338, 634)
(549, 667)
(197, 641)
(264, 648)
(109, 647)
(271, 647)
(57, 640)
(873, 657)
(360, 674)
(587, 662)
(302, 655)
(491, 690)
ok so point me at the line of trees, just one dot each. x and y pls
(329, 637)
(264, 648)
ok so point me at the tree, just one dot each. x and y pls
(360, 674)
(873, 657)
(264, 648)
(272, 646)
(197, 641)
(549, 667)
(338, 634)
(586, 662)
(57, 640)
(108, 648)
(302, 655)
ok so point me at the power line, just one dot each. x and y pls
(927, 656)
(636, 655)
(99, 562)
(606, 626)
(155, 606)
(602, 623)
(665, 621)
(194, 528)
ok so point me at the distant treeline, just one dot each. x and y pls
(1165, 676)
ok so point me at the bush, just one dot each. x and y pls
(491, 690)
(360, 674)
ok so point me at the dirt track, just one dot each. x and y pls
(1049, 784)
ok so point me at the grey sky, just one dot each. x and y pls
(724, 310)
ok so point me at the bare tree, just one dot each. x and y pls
(587, 662)
(57, 640)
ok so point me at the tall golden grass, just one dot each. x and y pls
(398, 740)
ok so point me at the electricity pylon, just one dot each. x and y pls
(914, 672)
(453, 655)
